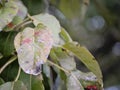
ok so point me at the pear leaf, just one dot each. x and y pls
(7, 13)
(86, 57)
(33, 47)
(51, 22)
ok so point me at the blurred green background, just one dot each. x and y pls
(94, 24)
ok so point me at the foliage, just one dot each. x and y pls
(42, 51)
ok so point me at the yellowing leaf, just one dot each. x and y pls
(86, 57)
(64, 34)
(51, 22)
(33, 47)
(7, 13)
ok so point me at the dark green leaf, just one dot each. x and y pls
(1, 81)
(31, 82)
(26, 79)
(35, 6)
(86, 57)
(7, 43)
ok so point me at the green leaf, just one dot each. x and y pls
(37, 83)
(35, 6)
(66, 37)
(66, 61)
(33, 48)
(7, 43)
(51, 22)
(19, 86)
(13, 86)
(1, 81)
(7, 13)
(31, 82)
(26, 79)
(6, 86)
(86, 57)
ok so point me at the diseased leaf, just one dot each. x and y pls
(7, 13)
(7, 43)
(12, 24)
(87, 79)
(66, 61)
(13, 86)
(33, 47)
(51, 22)
(73, 84)
(84, 55)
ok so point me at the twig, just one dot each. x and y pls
(7, 63)
(22, 25)
(58, 66)
(25, 20)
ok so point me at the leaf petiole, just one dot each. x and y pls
(17, 77)
(12, 59)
